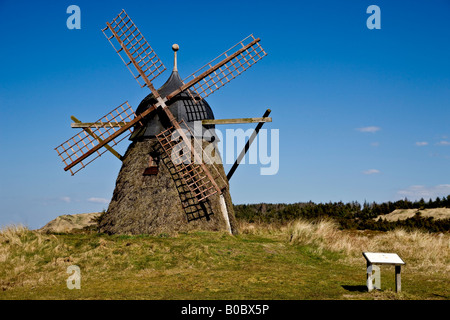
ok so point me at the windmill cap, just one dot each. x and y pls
(175, 47)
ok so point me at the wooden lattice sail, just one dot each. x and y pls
(75, 151)
(123, 33)
(226, 67)
(192, 173)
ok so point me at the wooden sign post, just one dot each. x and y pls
(374, 259)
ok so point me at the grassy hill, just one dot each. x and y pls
(294, 260)
(403, 214)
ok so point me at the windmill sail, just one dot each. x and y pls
(129, 40)
(74, 151)
(200, 184)
(224, 68)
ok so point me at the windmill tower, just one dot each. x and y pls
(171, 178)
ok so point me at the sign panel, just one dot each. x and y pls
(383, 258)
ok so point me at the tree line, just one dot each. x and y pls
(352, 215)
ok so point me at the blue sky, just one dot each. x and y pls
(362, 114)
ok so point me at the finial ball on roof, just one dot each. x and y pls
(175, 47)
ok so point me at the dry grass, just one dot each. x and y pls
(266, 261)
(20, 258)
(422, 251)
(11, 234)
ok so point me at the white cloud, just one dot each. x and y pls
(443, 143)
(421, 143)
(418, 191)
(98, 200)
(375, 144)
(371, 171)
(66, 199)
(371, 129)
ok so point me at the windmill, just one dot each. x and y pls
(162, 137)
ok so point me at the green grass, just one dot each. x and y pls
(198, 265)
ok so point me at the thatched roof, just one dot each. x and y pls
(154, 204)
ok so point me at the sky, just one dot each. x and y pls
(362, 114)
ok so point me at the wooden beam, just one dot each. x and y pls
(247, 146)
(398, 278)
(78, 125)
(236, 121)
(92, 134)
(96, 124)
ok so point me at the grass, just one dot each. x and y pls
(298, 260)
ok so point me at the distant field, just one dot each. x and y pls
(402, 214)
(298, 260)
